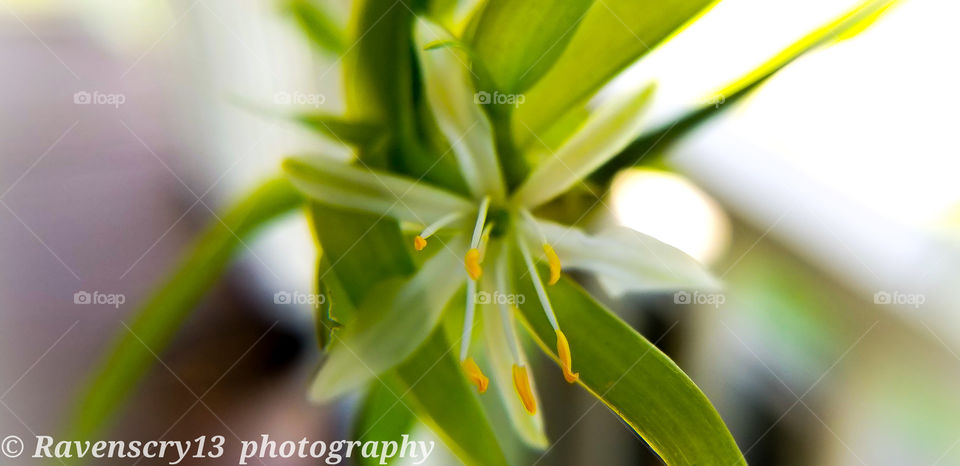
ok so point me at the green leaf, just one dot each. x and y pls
(529, 427)
(398, 315)
(376, 192)
(613, 35)
(517, 42)
(363, 249)
(448, 403)
(606, 132)
(347, 132)
(649, 146)
(316, 24)
(325, 323)
(633, 378)
(159, 316)
(382, 415)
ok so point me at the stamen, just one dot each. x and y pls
(472, 259)
(552, 258)
(468, 313)
(538, 285)
(475, 375)
(554, 262)
(563, 348)
(420, 241)
(472, 263)
(521, 382)
(481, 220)
(563, 351)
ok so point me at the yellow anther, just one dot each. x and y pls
(554, 262)
(521, 381)
(475, 375)
(472, 263)
(563, 351)
(419, 243)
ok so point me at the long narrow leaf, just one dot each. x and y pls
(382, 415)
(634, 379)
(449, 403)
(158, 318)
(316, 24)
(518, 41)
(651, 145)
(342, 130)
(613, 35)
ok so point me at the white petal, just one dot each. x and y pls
(627, 259)
(352, 187)
(528, 426)
(450, 92)
(608, 130)
(408, 311)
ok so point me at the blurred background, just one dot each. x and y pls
(828, 202)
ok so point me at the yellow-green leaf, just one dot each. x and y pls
(633, 378)
(517, 42)
(448, 403)
(612, 35)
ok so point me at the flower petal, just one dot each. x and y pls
(627, 260)
(452, 97)
(408, 311)
(607, 131)
(352, 187)
(528, 426)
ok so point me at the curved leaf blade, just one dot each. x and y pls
(342, 130)
(634, 378)
(318, 25)
(398, 316)
(613, 35)
(652, 144)
(382, 416)
(448, 403)
(517, 42)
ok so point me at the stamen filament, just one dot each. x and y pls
(468, 314)
(420, 241)
(481, 220)
(563, 348)
(552, 258)
(473, 257)
(538, 285)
